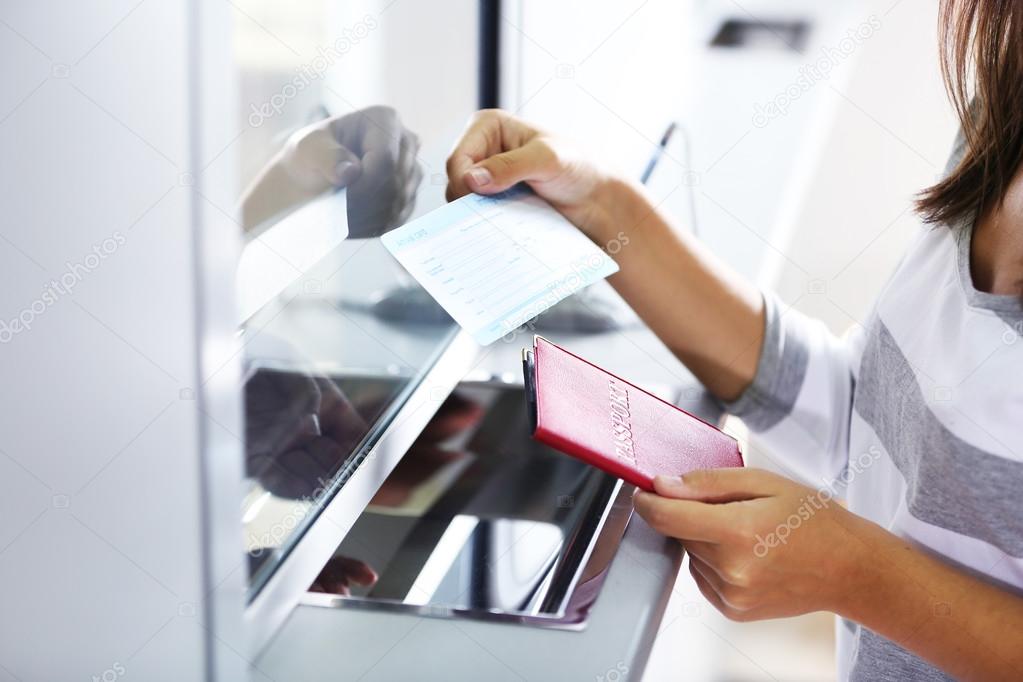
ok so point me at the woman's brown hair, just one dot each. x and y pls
(982, 64)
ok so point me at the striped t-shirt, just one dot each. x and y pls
(915, 419)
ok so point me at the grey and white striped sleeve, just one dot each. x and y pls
(800, 400)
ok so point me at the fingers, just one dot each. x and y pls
(358, 572)
(708, 552)
(373, 129)
(707, 589)
(410, 174)
(708, 573)
(685, 519)
(481, 139)
(373, 202)
(535, 161)
(408, 148)
(495, 152)
(346, 170)
(342, 572)
(318, 161)
(707, 583)
(720, 485)
(372, 139)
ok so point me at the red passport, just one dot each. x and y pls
(593, 415)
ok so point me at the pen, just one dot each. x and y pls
(658, 153)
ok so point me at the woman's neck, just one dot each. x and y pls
(996, 255)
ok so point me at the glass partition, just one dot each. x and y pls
(346, 114)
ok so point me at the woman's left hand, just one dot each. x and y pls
(760, 545)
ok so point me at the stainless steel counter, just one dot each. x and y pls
(346, 644)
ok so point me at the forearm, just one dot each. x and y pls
(709, 317)
(271, 193)
(965, 626)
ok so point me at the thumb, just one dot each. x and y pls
(317, 161)
(533, 161)
(347, 168)
(718, 485)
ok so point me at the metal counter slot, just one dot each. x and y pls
(469, 542)
(520, 534)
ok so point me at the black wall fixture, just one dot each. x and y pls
(489, 54)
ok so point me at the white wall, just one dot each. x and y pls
(108, 383)
(608, 74)
(851, 218)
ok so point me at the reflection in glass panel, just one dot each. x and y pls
(334, 147)
(477, 518)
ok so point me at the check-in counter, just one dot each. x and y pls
(481, 552)
(400, 523)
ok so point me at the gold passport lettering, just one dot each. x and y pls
(621, 421)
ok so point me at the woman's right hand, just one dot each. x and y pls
(498, 150)
(709, 317)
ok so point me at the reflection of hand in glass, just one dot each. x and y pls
(340, 573)
(457, 414)
(368, 152)
(423, 459)
(427, 456)
(299, 429)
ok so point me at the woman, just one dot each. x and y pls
(917, 418)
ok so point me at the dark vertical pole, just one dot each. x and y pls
(489, 51)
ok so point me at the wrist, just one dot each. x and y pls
(863, 586)
(616, 206)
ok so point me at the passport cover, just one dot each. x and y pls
(593, 415)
